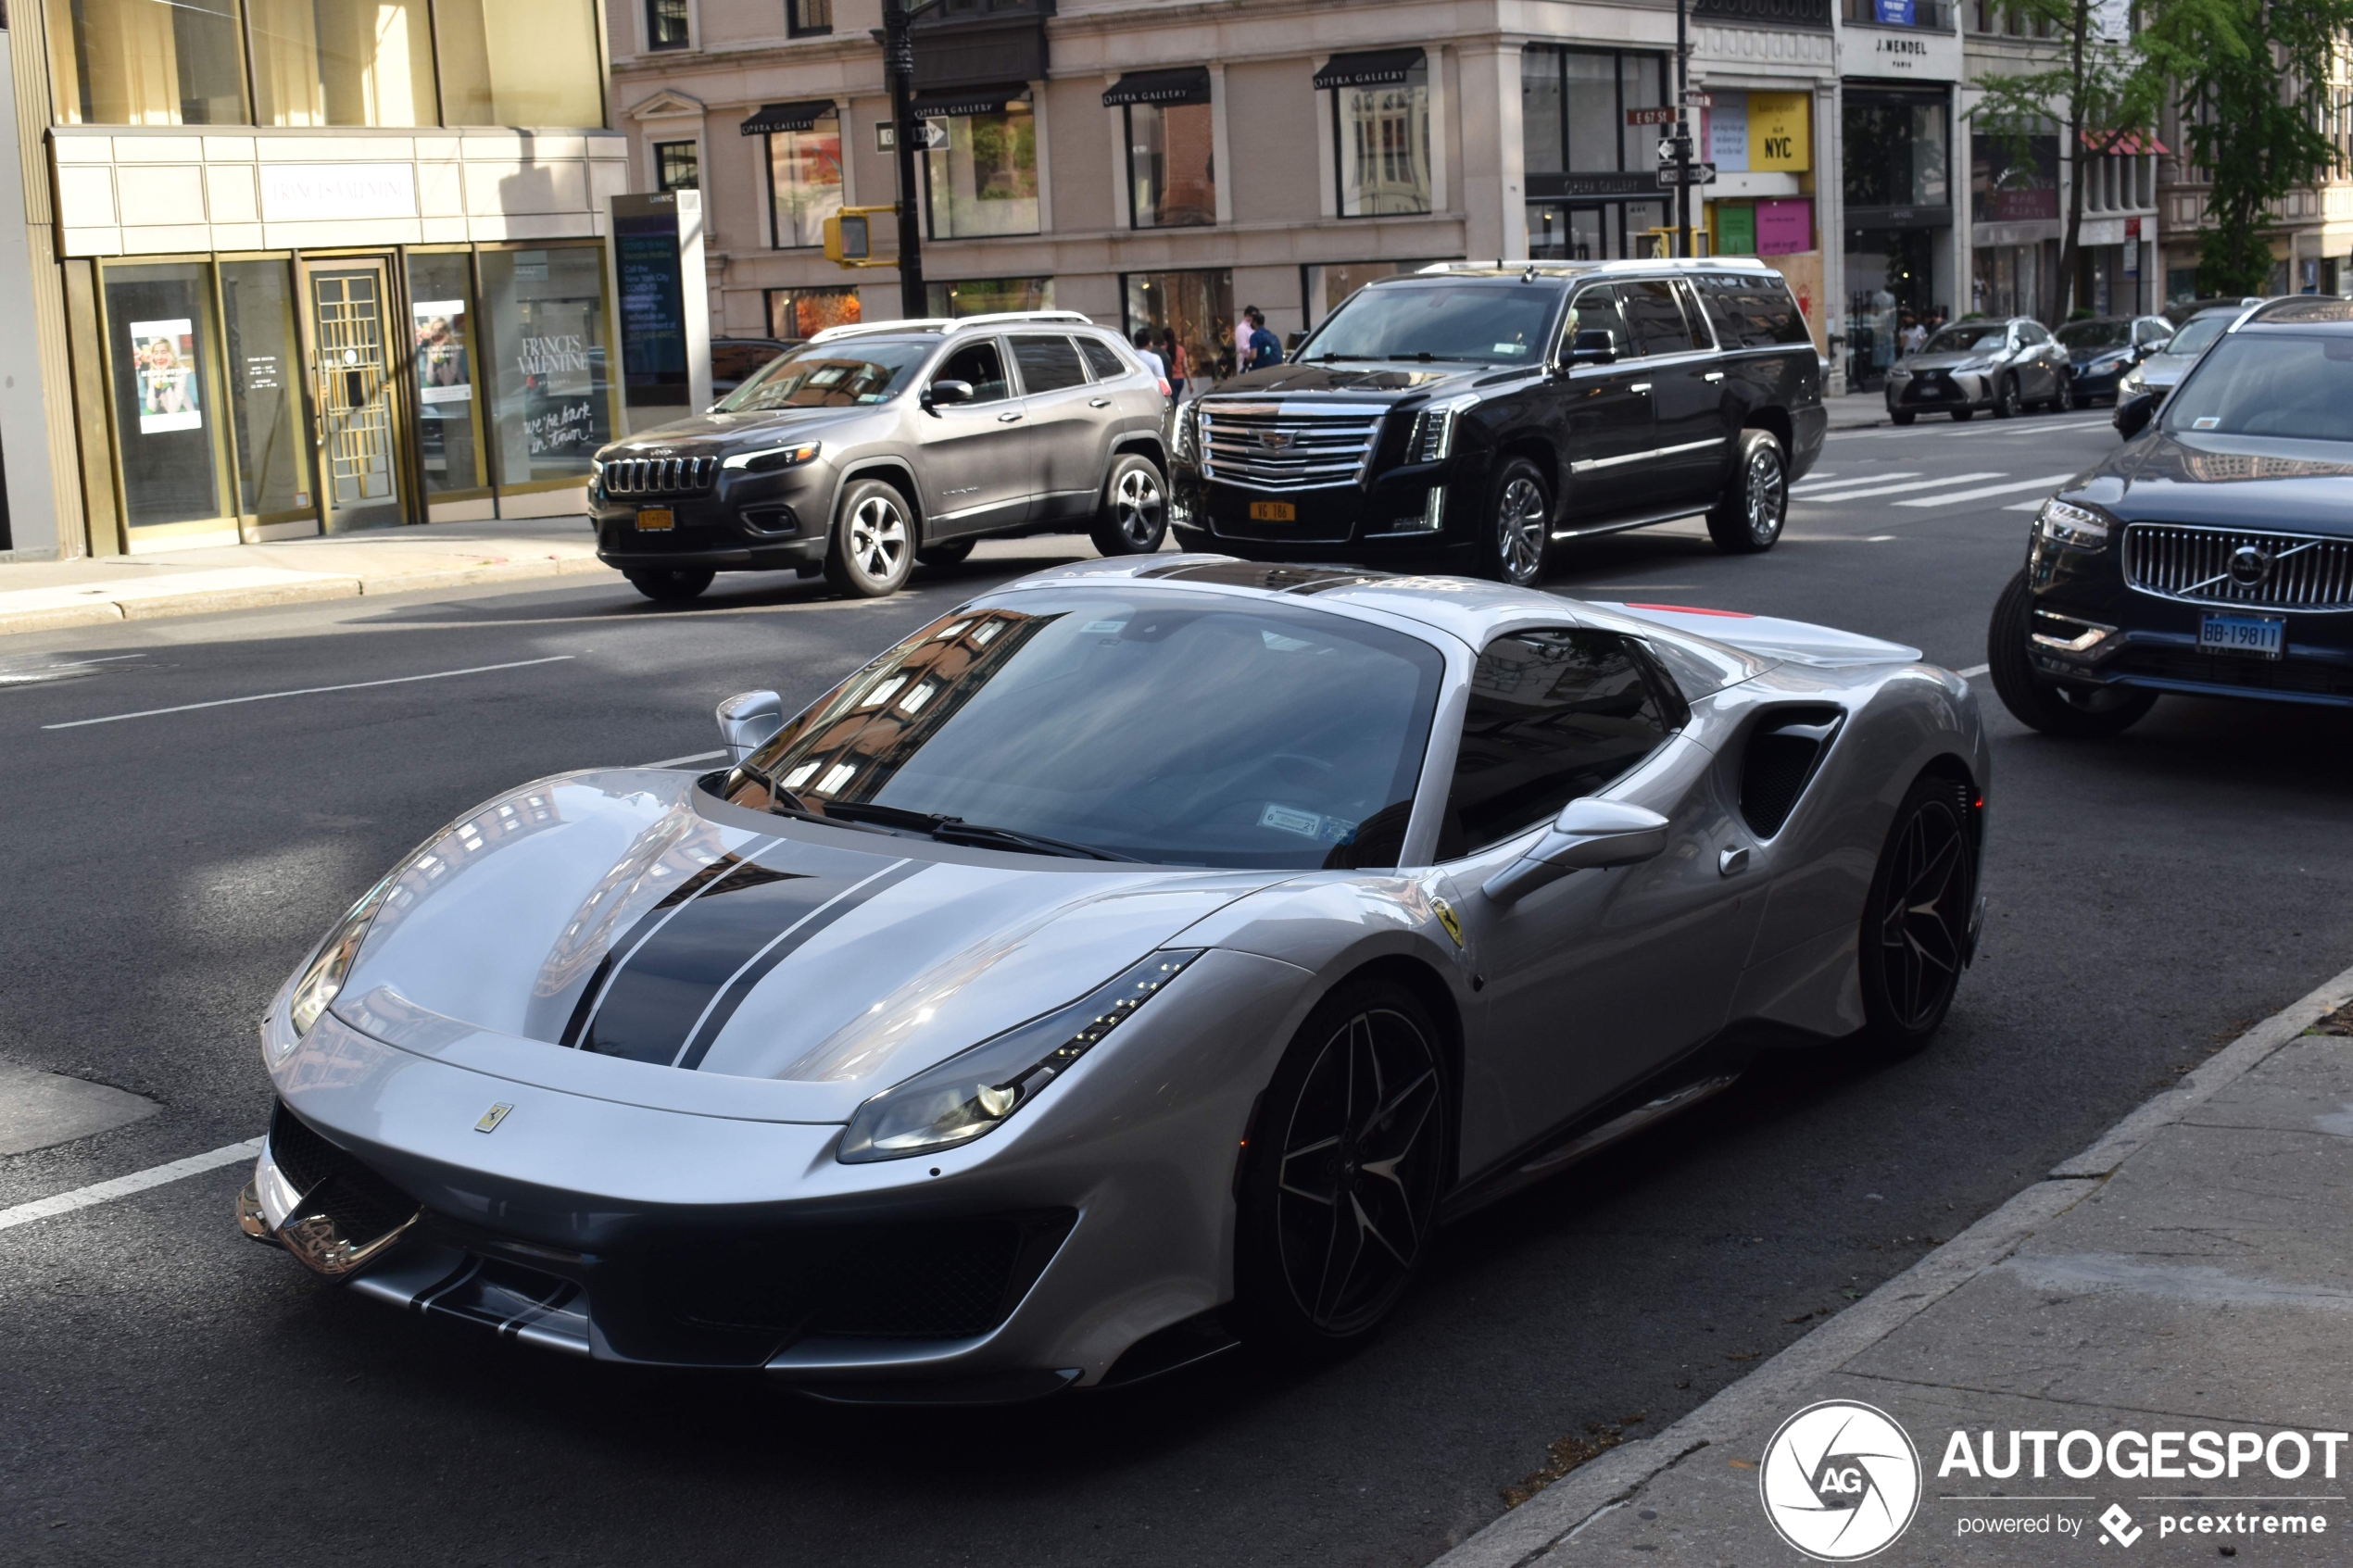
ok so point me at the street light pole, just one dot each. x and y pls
(899, 68)
(1682, 131)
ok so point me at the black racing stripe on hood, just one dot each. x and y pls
(749, 978)
(646, 925)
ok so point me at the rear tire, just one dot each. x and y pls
(669, 585)
(1347, 1154)
(1515, 541)
(1754, 505)
(1916, 918)
(873, 548)
(2064, 401)
(2043, 704)
(1902, 416)
(1132, 518)
(948, 552)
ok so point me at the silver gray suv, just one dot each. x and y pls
(875, 447)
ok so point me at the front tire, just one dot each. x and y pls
(1902, 416)
(1754, 505)
(873, 548)
(2042, 705)
(1963, 416)
(1517, 542)
(1133, 517)
(669, 585)
(1346, 1158)
(1916, 918)
(2064, 401)
(2007, 405)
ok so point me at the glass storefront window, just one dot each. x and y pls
(1895, 150)
(1197, 306)
(804, 182)
(799, 313)
(1172, 165)
(520, 62)
(985, 180)
(258, 325)
(551, 388)
(159, 344)
(343, 62)
(1589, 87)
(146, 62)
(979, 297)
(440, 308)
(1543, 124)
(1383, 141)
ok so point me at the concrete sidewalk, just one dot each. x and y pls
(43, 595)
(1857, 410)
(2189, 1274)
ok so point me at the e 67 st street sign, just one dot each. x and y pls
(1691, 174)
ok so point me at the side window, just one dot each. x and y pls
(1595, 310)
(1101, 360)
(1696, 319)
(1554, 715)
(1657, 318)
(2033, 332)
(980, 364)
(1047, 362)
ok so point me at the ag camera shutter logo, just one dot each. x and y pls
(1840, 1480)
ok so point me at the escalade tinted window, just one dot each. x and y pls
(1752, 312)
(1656, 317)
(1596, 310)
(1482, 322)
(1047, 362)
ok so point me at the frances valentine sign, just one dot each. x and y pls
(294, 193)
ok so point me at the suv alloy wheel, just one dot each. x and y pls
(1519, 525)
(1133, 519)
(1749, 514)
(873, 543)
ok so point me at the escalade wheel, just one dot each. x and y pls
(1133, 519)
(1518, 534)
(2055, 709)
(1916, 918)
(669, 584)
(873, 548)
(1748, 517)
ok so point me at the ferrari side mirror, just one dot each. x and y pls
(1587, 836)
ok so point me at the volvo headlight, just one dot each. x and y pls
(2070, 527)
(323, 976)
(769, 458)
(975, 1093)
(1433, 438)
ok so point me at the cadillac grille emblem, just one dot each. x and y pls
(1274, 440)
(2249, 567)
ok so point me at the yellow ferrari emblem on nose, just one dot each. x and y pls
(496, 1114)
(1446, 917)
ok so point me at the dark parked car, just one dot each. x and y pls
(1476, 415)
(733, 360)
(2213, 555)
(2160, 372)
(2003, 367)
(2100, 350)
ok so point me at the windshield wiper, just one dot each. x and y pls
(955, 830)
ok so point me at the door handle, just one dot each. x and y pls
(1639, 386)
(1733, 861)
(1099, 402)
(1713, 376)
(1007, 418)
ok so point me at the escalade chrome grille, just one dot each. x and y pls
(658, 476)
(1285, 445)
(2236, 565)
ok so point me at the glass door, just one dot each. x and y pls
(345, 315)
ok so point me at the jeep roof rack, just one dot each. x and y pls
(948, 324)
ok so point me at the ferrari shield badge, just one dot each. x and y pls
(497, 1113)
(1446, 917)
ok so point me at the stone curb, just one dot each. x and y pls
(1555, 1515)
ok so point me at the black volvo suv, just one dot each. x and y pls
(1473, 416)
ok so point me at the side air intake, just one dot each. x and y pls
(1784, 749)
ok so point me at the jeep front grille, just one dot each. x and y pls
(658, 476)
(1287, 445)
(2234, 566)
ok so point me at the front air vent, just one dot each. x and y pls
(1784, 750)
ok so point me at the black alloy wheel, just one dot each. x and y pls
(1754, 505)
(2071, 712)
(948, 552)
(2007, 405)
(669, 585)
(1516, 544)
(1345, 1163)
(1916, 921)
(1132, 518)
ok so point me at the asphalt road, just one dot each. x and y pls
(172, 1393)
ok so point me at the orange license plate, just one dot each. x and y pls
(655, 519)
(1272, 511)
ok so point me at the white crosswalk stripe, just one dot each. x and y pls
(2044, 483)
(1869, 490)
(1823, 481)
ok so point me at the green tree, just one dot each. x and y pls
(2251, 77)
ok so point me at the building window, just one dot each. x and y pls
(1196, 308)
(448, 430)
(804, 182)
(805, 18)
(979, 297)
(520, 62)
(802, 313)
(1172, 162)
(133, 62)
(666, 24)
(257, 321)
(985, 180)
(1895, 151)
(343, 62)
(164, 366)
(677, 166)
(1380, 130)
(552, 394)
(1590, 127)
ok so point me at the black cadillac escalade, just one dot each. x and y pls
(1473, 416)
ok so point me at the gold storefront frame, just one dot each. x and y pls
(475, 323)
(139, 538)
(258, 528)
(615, 418)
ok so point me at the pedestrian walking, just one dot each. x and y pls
(1265, 348)
(1181, 368)
(1150, 356)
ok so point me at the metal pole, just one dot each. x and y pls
(1682, 131)
(898, 67)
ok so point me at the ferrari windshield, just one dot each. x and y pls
(1481, 323)
(2296, 388)
(831, 375)
(1192, 732)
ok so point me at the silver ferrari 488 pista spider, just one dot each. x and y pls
(1148, 953)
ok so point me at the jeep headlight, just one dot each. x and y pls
(2070, 527)
(769, 458)
(975, 1093)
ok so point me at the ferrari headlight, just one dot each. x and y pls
(324, 974)
(975, 1093)
(769, 458)
(2070, 527)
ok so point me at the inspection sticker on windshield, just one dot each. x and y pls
(2205, 421)
(1512, 348)
(1307, 824)
(1103, 628)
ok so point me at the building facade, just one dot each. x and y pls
(298, 266)
(2312, 229)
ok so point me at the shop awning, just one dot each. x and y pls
(1372, 67)
(2131, 145)
(1189, 85)
(969, 100)
(772, 119)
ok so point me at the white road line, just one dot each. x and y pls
(2047, 480)
(706, 755)
(1897, 489)
(1821, 483)
(309, 691)
(1973, 672)
(123, 1186)
(2024, 507)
